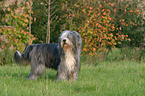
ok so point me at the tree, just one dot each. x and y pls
(48, 24)
(30, 17)
(44, 20)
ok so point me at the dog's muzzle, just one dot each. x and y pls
(64, 41)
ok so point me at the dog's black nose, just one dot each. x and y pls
(64, 40)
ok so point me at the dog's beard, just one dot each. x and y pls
(69, 56)
(65, 46)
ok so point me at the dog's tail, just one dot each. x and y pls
(18, 57)
(25, 57)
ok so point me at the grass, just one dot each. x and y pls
(123, 78)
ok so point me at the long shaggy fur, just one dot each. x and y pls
(39, 56)
(70, 44)
(63, 57)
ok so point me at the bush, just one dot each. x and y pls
(127, 53)
(14, 33)
(6, 57)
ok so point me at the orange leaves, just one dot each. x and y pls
(131, 11)
(16, 26)
(84, 49)
(91, 8)
(97, 30)
(16, 40)
(100, 6)
(73, 15)
(112, 4)
(83, 10)
(15, 16)
(26, 20)
(95, 35)
(128, 39)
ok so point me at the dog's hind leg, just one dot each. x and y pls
(36, 71)
(32, 76)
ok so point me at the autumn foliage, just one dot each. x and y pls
(14, 30)
(98, 30)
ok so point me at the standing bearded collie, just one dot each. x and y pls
(63, 56)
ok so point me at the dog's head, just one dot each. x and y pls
(69, 40)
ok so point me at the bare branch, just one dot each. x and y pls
(46, 1)
(43, 12)
(52, 1)
(7, 27)
(30, 16)
(54, 12)
(53, 18)
(45, 6)
(53, 7)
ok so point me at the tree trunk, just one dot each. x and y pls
(30, 23)
(48, 24)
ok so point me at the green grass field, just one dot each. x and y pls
(123, 78)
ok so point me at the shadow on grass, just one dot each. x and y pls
(50, 76)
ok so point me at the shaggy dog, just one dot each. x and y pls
(63, 56)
